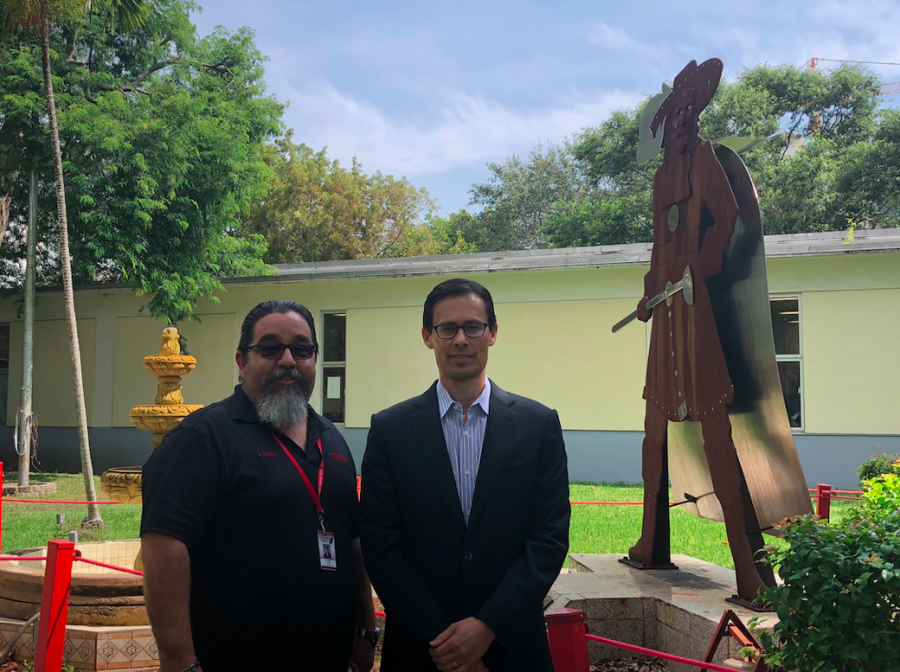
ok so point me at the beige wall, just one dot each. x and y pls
(554, 343)
(53, 399)
(851, 362)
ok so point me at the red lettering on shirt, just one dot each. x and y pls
(267, 454)
(340, 458)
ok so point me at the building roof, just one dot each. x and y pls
(792, 245)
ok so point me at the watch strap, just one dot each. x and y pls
(192, 667)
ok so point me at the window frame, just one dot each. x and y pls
(322, 364)
(795, 358)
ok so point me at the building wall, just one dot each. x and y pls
(554, 344)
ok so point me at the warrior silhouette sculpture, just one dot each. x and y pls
(694, 214)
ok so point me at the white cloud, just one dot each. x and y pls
(468, 130)
(614, 38)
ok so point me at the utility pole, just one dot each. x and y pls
(23, 420)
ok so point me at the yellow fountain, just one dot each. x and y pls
(169, 366)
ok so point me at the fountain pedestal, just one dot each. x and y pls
(123, 484)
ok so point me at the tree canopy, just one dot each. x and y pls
(836, 164)
(316, 210)
(163, 137)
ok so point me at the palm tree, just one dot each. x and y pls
(26, 14)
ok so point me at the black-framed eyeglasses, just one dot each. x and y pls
(471, 329)
(276, 350)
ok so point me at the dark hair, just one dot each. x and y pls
(457, 287)
(269, 307)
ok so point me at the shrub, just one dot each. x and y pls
(876, 465)
(839, 607)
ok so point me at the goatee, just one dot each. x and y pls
(284, 405)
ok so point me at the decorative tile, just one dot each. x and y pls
(68, 649)
(107, 651)
(131, 649)
(86, 651)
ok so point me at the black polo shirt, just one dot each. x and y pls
(220, 483)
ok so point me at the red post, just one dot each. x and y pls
(54, 607)
(823, 501)
(566, 629)
(2, 477)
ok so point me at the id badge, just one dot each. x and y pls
(327, 559)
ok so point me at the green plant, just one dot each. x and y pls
(839, 606)
(881, 496)
(876, 465)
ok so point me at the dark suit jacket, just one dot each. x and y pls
(428, 567)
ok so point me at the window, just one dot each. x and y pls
(788, 354)
(334, 365)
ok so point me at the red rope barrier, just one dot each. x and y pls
(659, 654)
(51, 501)
(611, 503)
(849, 499)
(841, 492)
(103, 564)
(29, 558)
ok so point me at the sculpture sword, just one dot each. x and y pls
(685, 285)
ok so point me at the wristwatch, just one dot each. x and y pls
(192, 667)
(371, 635)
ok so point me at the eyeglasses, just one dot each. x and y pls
(471, 329)
(276, 350)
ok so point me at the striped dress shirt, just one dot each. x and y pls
(464, 440)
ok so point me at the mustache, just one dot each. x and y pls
(287, 374)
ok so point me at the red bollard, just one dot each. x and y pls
(566, 629)
(2, 476)
(823, 501)
(54, 607)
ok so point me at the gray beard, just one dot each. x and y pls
(283, 406)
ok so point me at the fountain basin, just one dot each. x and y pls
(123, 484)
(99, 596)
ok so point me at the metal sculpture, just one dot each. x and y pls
(714, 412)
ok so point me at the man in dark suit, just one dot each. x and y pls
(464, 516)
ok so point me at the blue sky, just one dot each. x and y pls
(434, 90)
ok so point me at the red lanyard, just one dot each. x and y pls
(312, 493)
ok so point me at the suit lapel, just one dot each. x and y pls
(427, 423)
(498, 435)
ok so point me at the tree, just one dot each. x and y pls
(29, 13)
(831, 130)
(867, 181)
(163, 135)
(315, 210)
(520, 194)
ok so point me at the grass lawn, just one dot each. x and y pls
(614, 529)
(595, 529)
(33, 525)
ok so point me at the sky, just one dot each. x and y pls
(433, 91)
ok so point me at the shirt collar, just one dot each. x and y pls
(483, 400)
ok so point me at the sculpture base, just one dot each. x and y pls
(764, 608)
(640, 565)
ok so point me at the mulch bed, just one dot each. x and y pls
(627, 665)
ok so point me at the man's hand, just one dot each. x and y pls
(461, 646)
(363, 655)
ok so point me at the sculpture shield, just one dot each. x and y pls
(760, 426)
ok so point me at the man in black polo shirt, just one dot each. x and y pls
(250, 549)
